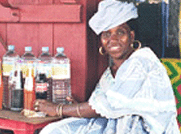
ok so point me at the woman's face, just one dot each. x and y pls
(116, 41)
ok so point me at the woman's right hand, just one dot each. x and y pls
(50, 108)
(46, 107)
(71, 99)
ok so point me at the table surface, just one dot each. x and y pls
(17, 116)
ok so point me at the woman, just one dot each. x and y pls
(133, 96)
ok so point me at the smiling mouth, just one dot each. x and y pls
(113, 48)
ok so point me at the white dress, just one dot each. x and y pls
(139, 100)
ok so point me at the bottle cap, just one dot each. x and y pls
(45, 49)
(11, 47)
(28, 49)
(60, 49)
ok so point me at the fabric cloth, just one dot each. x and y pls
(139, 100)
(112, 13)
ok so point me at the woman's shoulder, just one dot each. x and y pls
(146, 58)
(144, 52)
(145, 55)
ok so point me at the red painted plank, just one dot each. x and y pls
(45, 36)
(50, 13)
(35, 35)
(30, 2)
(41, 13)
(3, 35)
(39, 1)
(45, 1)
(8, 15)
(64, 1)
(20, 2)
(73, 38)
(20, 127)
(23, 34)
(67, 1)
(5, 3)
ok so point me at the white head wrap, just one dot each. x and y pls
(112, 13)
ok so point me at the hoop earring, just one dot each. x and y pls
(100, 51)
(136, 45)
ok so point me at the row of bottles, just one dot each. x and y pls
(27, 78)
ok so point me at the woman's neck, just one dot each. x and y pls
(115, 66)
(117, 62)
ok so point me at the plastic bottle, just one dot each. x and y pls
(41, 85)
(28, 60)
(29, 89)
(1, 86)
(44, 64)
(9, 60)
(17, 89)
(61, 87)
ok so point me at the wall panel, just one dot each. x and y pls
(22, 35)
(35, 35)
(14, 2)
(3, 36)
(79, 41)
(72, 38)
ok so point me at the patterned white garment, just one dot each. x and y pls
(139, 100)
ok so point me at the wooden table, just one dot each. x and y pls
(20, 124)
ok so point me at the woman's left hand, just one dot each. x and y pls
(46, 107)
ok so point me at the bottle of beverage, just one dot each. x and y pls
(11, 85)
(44, 63)
(17, 89)
(61, 87)
(28, 60)
(41, 85)
(1, 87)
(9, 60)
(29, 89)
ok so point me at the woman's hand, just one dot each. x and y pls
(50, 108)
(71, 99)
(46, 107)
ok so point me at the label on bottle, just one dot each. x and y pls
(29, 84)
(17, 99)
(41, 87)
(7, 67)
(1, 81)
(61, 71)
(46, 67)
(63, 93)
(1, 87)
(26, 66)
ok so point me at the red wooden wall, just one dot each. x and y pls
(55, 23)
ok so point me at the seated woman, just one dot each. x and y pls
(133, 96)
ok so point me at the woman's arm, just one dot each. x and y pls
(67, 110)
(79, 110)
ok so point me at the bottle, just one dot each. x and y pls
(9, 60)
(17, 89)
(29, 89)
(44, 63)
(41, 85)
(28, 60)
(11, 84)
(61, 87)
(1, 86)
